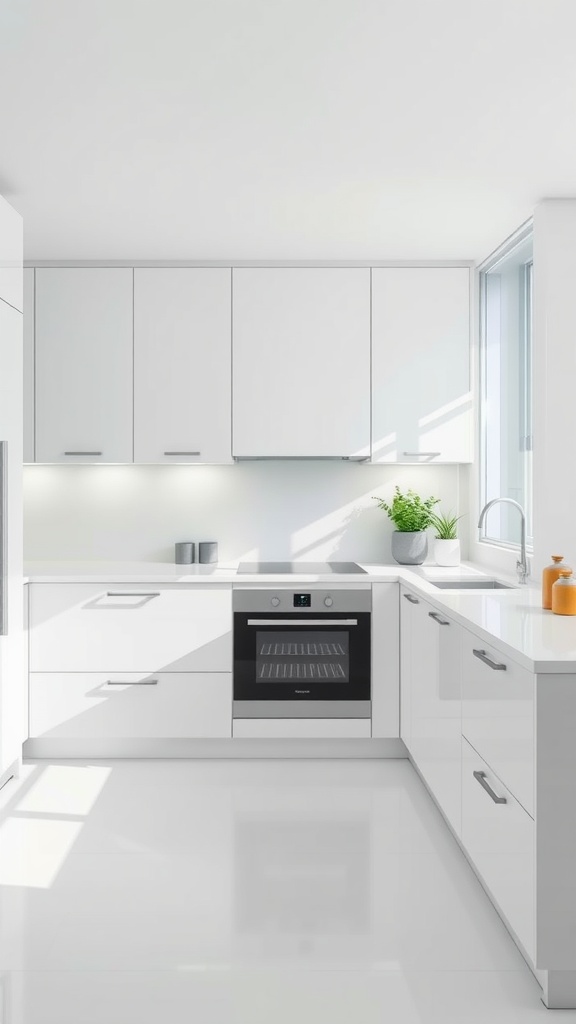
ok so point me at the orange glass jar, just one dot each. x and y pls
(564, 594)
(549, 576)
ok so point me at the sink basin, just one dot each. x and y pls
(482, 584)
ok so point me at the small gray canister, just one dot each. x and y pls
(208, 551)
(184, 552)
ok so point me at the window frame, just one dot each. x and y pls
(525, 400)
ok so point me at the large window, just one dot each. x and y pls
(506, 390)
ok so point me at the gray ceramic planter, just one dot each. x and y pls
(409, 548)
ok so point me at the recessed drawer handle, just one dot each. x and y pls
(427, 455)
(436, 617)
(182, 453)
(413, 600)
(482, 656)
(130, 593)
(82, 453)
(138, 682)
(481, 778)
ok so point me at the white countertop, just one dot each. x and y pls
(511, 620)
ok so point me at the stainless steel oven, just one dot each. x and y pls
(302, 653)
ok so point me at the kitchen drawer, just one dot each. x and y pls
(498, 716)
(77, 627)
(301, 728)
(94, 705)
(499, 839)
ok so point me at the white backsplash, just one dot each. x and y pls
(302, 510)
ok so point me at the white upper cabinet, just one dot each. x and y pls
(421, 389)
(29, 364)
(84, 339)
(11, 250)
(182, 365)
(301, 362)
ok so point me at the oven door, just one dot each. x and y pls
(294, 657)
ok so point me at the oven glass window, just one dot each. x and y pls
(313, 655)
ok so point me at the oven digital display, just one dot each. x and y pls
(302, 600)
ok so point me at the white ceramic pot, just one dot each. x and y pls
(447, 552)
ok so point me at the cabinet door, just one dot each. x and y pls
(421, 391)
(498, 836)
(29, 364)
(182, 365)
(385, 661)
(408, 604)
(119, 705)
(435, 704)
(301, 368)
(86, 627)
(498, 705)
(84, 365)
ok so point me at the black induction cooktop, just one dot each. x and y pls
(300, 568)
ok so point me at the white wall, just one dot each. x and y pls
(302, 510)
(554, 380)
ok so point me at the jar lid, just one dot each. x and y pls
(566, 578)
(557, 558)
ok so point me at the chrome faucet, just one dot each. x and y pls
(521, 564)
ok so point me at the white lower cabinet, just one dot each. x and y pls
(385, 661)
(498, 835)
(301, 728)
(111, 627)
(431, 702)
(156, 705)
(498, 700)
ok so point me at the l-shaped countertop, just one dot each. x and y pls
(512, 620)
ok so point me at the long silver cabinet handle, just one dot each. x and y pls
(482, 656)
(182, 453)
(413, 600)
(130, 593)
(138, 682)
(481, 778)
(302, 622)
(82, 453)
(428, 455)
(436, 617)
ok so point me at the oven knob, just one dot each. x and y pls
(275, 602)
(328, 602)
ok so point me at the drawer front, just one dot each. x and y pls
(76, 627)
(93, 705)
(301, 728)
(498, 716)
(499, 838)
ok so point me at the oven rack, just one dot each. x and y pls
(299, 650)
(300, 670)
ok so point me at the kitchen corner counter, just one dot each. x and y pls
(512, 620)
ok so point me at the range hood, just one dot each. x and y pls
(300, 458)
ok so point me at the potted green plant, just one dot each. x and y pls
(411, 516)
(446, 543)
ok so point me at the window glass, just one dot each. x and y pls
(506, 391)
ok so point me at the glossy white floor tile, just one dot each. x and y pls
(281, 997)
(245, 891)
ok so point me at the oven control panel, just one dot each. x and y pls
(283, 601)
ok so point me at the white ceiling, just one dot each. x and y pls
(283, 129)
